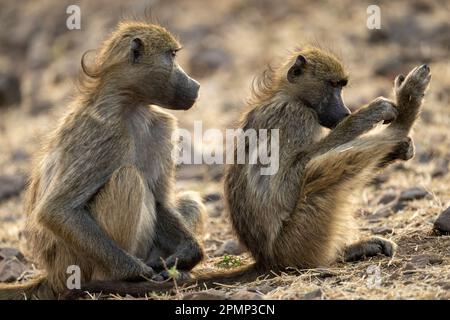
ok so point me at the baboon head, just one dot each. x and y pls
(139, 60)
(316, 78)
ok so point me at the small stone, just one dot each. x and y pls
(441, 168)
(19, 156)
(232, 247)
(264, 289)
(10, 253)
(442, 223)
(205, 295)
(382, 230)
(9, 89)
(11, 185)
(426, 259)
(377, 36)
(314, 295)
(387, 197)
(11, 270)
(414, 193)
(212, 197)
(325, 273)
(246, 295)
(380, 179)
(214, 210)
(381, 213)
(444, 285)
(399, 206)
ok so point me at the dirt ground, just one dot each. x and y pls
(227, 43)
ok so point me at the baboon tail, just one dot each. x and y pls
(202, 280)
(31, 289)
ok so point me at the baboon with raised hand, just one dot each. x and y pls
(301, 216)
(101, 196)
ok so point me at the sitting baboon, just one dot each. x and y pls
(301, 216)
(101, 196)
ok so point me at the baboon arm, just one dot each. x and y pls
(78, 229)
(64, 211)
(356, 124)
(173, 236)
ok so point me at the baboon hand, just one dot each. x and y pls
(381, 109)
(413, 86)
(137, 272)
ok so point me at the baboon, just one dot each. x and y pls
(101, 196)
(301, 216)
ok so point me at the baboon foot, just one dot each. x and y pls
(412, 86)
(369, 248)
(403, 151)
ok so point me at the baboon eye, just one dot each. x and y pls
(333, 83)
(173, 52)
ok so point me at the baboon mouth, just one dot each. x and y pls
(190, 104)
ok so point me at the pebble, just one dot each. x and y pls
(10, 253)
(11, 185)
(212, 197)
(413, 193)
(442, 223)
(423, 260)
(9, 89)
(387, 197)
(11, 270)
(232, 247)
(314, 295)
(382, 230)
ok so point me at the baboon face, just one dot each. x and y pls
(139, 60)
(320, 88)
(164, 82)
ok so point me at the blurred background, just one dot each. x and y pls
(227, 43)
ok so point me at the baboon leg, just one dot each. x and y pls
(358, 123)
(178, 235)
(369, 248)
(409, 92)
(190, 206)
(124, 209)
(329, 181)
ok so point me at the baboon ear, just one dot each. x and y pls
(296, 69)
(136, 48)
